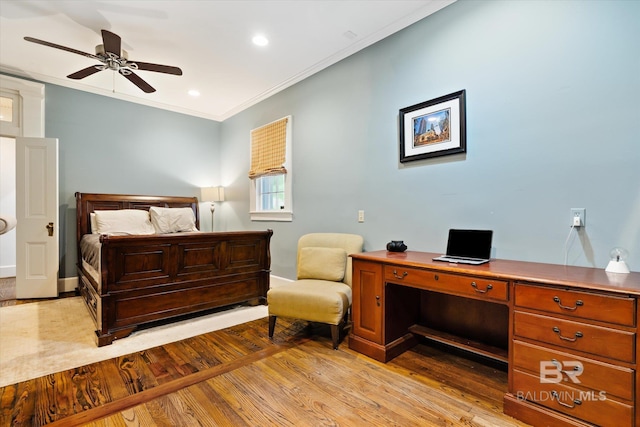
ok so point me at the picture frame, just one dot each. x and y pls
(433, 128)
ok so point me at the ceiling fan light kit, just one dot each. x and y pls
(113, 57)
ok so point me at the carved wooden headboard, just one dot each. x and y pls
(86, 203)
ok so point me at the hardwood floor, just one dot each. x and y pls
(238, 377)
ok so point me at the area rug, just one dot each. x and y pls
(41, 338)
(7, 288)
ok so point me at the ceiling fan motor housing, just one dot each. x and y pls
(101, 52)
(115, 62)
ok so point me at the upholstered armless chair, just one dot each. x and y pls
(322, 291)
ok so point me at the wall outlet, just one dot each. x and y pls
(360, 216)
(578, 217)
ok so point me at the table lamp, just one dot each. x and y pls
(211, 195)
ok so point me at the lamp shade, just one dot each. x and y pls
(212, 194)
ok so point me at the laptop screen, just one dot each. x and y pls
(470, 243)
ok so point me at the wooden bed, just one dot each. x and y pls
(143, 279)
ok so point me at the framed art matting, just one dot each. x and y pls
(433, 128)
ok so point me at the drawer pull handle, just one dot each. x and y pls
(576, 402)
(559, 366)
(576, 335)
(378, 300)
(566, 307)
(481, 291)
(571, 375)
(397, 276)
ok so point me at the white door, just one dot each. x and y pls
(37, 214)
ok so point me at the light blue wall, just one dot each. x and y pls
(110, 146)
(552, 116)
(552, 124)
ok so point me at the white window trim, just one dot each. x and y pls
(286, 214)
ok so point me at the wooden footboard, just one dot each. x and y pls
(146, 279)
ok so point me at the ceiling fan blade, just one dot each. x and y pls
(57, 46)
(167, 69)
(136, 80)
(111, 42)
(85, 72)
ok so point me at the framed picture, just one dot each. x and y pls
(433, 128)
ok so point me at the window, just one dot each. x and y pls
(21, 107)
(271, 172)
(270, 192)
(10, 113)
(6, 109)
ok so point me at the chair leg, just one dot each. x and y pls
(346, 320)
(272, 325)
(335, 335)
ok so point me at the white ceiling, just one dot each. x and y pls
(209, 40)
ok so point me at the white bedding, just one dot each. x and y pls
(95, 274)
(172, 220)
(124, 222)
(91, 249)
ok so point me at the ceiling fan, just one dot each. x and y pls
(113, 57)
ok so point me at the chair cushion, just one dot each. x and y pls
(322, 263)
(313, 300)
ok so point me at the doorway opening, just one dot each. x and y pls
(7, 207)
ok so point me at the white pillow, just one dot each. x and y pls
(172, 220)
(94, 223)
(124, 222)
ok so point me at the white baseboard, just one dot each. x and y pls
(275, 281)
(69, 284)
(8, 271)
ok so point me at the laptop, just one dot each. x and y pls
(468, 247)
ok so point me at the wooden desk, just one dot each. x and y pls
(567, 334)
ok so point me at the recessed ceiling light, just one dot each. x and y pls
(260, 40)
(194, 92)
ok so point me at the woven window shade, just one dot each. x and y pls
(268, 149)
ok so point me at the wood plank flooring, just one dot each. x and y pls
(238, 377)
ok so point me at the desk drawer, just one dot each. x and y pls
(595, 375)
(605, 308)
(589, 405)
(606, 342)
(448, 283)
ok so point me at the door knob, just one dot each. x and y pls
(50, 229)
